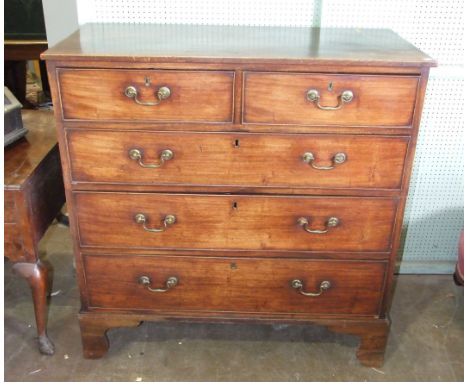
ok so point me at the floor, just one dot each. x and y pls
(426, 341)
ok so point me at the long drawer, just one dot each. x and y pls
(146, 95)
(246, 160)
(171, 221)
(329, 99)
(232, 284)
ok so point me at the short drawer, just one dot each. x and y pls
(244, 160)
(316, 99)
(234, 284)
(146, 95)
(240, 222)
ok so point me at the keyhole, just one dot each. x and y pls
(147, 81)
(330, 86)
(234, 205)
(236, 143)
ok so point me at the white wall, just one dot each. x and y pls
(222, 12)
(434, 213)
(61, 19)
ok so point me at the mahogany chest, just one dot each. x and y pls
(236, 173)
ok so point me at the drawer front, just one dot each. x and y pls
(195, 96)
(125, 220)
(276, 98)
(233, 284)
(237, 159)
(9, 207)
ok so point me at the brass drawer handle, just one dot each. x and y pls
(313, 96)
(338, 158)
(167, 221)
(137, 155)
(171, 282)
(163, 93)
(299, 285)
(331, 222)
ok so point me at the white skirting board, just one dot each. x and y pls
(426, 267)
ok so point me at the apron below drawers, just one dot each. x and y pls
(180, 283)
(234, 222)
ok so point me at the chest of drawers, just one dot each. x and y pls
(236, 173)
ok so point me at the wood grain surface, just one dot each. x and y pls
(280, 98)
(235, 222)
(33, 185)
(196, 96)
(13, 242)
(232, 284)
(244, 160)
(9, 207)
(23, 157)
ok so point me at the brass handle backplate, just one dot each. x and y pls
(299, 286)
(331, 222)
(338, 158)
(313, 95)
(137, 155)
(167, 221)
(171, 282)
(162, 93)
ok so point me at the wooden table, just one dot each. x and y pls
(34, 195)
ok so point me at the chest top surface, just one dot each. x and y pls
(197, 43)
